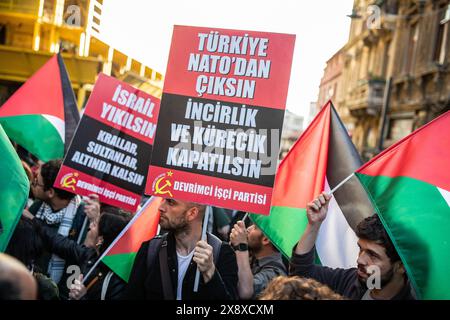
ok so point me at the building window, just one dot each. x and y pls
(388, 6)
(330, 92)
(2, 34)
(412, 48)
(441, 37)
(399, 128)
(49, 9)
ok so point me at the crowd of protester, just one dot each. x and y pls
(59, 230)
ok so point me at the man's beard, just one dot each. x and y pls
(177, 227)
(255, 246)
(385, 279)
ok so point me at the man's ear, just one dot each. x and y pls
(51, 193)
(399, 268)
(265, 241)
(192, 213)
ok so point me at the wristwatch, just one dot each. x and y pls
(241, 247)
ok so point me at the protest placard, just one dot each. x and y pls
(110, 152)
(221, 117)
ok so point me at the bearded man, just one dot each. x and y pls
(377, 258)
(165, 266)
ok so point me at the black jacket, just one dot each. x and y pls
(77, 225)
(84, 258)
(145, 281)
(343, 281)
(265, 270)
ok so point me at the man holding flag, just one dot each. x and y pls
(377, 258)
(165, 266)
(258, 260)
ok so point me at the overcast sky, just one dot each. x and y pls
(143, 30)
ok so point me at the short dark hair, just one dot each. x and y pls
(26, 244)
(49, 172)
(111, 223)
(372, 229)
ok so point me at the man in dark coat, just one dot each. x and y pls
(376, 253)
(63, 212)
(165, 267)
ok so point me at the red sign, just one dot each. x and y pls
(221, 116)
(110, 152)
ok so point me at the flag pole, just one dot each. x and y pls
(205, 226)
(245, 217)
(135, 217)
(341, 183)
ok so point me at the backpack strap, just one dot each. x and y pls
(153, 249)
(164, 270)
(106, 284)
(157, 247)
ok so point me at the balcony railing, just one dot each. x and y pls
(20, 6)
(367, 97)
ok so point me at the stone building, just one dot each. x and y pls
(407, 42)
(31, 31)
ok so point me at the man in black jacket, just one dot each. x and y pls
(63, 212)
(377, 254)
(166, 269)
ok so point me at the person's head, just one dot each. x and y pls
(30, 175)
(16, 281)
(42, 184)
(258, 242)
(26, 244)
(111, 222)
(297, 288)
(179, 216)
(376, 250)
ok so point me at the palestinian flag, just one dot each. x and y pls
(42, 114)
(119, 257)
(14, 188)
(321, 158)
(409, 185)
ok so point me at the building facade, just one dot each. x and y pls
(406, 42)
(31, 31)
(330, 84)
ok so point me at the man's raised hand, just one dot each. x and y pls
(316, 210)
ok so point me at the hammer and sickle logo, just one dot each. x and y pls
(68, 181)
(162, 188)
